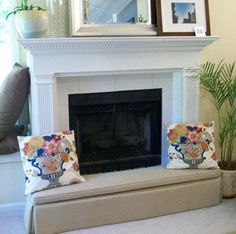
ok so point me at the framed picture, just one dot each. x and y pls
(180, 17)
(112, 18)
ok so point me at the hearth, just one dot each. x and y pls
(117, 130)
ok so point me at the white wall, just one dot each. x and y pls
(223, 24)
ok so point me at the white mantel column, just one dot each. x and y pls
(43, 107)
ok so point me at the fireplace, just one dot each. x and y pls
(117, 130)
(61, 67)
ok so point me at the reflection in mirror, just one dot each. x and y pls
(116, 12)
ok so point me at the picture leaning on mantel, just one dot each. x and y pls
(113, 18)
(181, 17)
(138, 17)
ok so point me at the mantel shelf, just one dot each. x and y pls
(70, 44)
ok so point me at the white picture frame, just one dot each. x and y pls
(77, 28)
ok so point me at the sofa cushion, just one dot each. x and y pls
(9, 144)
(49, 161)
(13, 94)
(122, 181)
(191, 146)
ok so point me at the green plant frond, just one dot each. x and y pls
(229, 126)
(228, 76)
(17, 8)
(219, 82)
(215, 88)
(222, 92)
(221, 139)
(233, 92)
(232, 117)
(24, 7)
(211, 69)
(13, 12)
(36, 7)
(24, 3)
(228, 71)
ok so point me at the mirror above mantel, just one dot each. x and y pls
(139, 17)
(113, 18)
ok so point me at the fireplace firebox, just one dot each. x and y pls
(117, 130)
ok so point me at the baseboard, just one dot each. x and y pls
(12, 209)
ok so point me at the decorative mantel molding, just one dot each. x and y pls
(75, 44)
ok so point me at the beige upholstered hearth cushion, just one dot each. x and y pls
(13, 94)
(123, 181)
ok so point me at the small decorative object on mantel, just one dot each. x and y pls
(30, 21)
(178, 17)
(199, 32)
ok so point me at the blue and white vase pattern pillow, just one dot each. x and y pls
(191, 146)
(49, 161)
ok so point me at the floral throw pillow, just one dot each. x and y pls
(49, 161)
(191, 146)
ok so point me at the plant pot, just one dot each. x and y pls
(31, 23)
(228, 183)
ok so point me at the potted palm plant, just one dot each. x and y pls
(219, 81)
(31, 21)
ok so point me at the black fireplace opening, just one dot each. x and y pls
(117, 130)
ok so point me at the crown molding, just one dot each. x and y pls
(110, 44)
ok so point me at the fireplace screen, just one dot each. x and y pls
(117, 130)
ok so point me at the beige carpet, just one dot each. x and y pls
(219, 219)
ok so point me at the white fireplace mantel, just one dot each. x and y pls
(63, 66)
(92, 54)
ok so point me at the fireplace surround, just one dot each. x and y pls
(66, 66)
(60, 67)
